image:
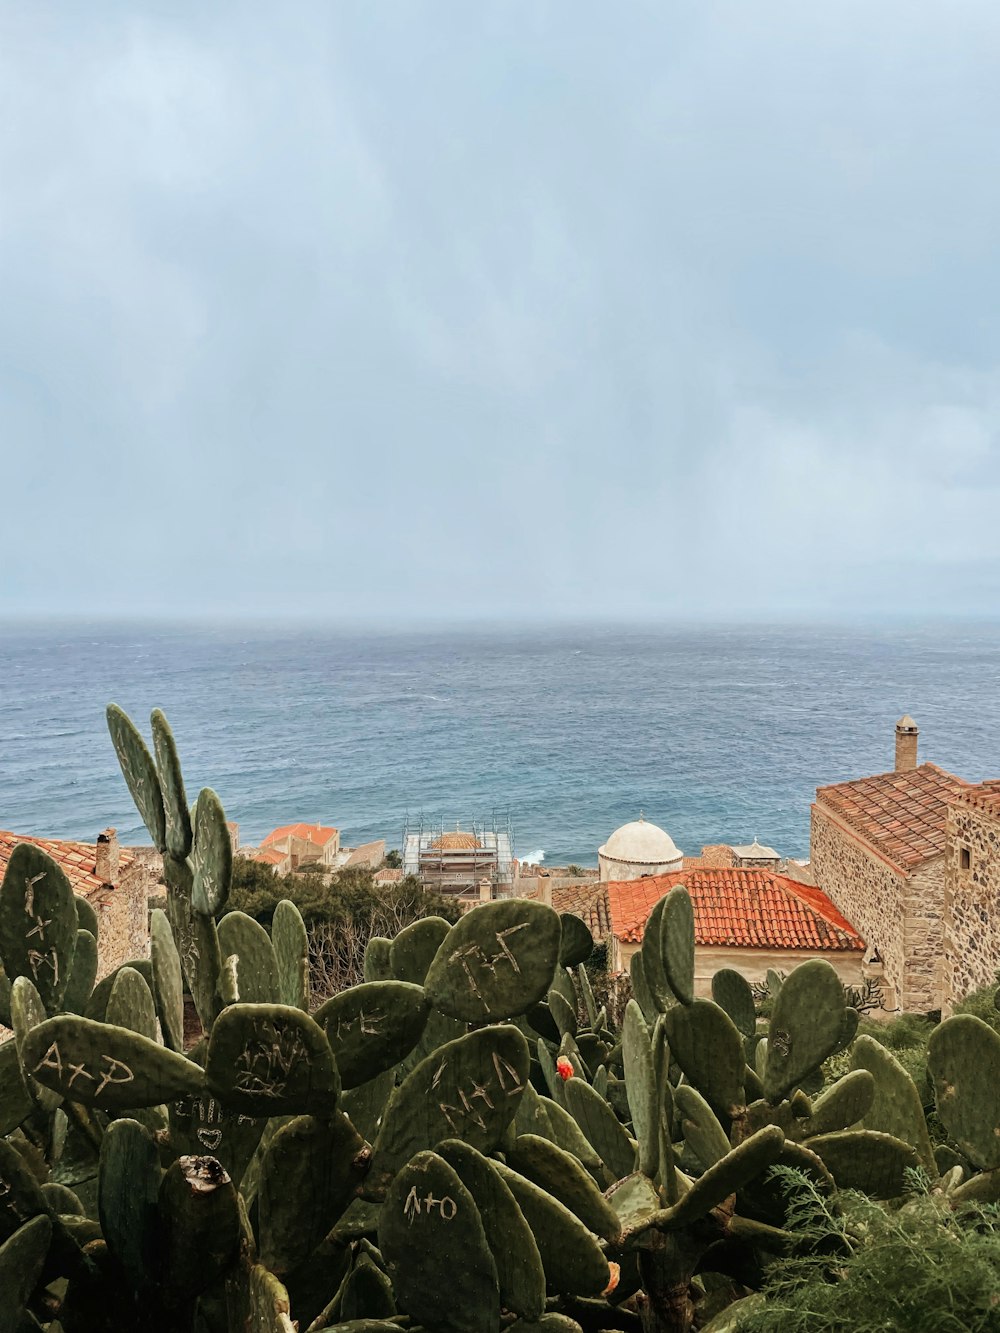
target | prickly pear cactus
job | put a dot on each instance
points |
(463, 1142)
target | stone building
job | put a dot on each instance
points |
(972, 892)
(115, 880)
(750, 920)
(303, 844)
(369, 856)
(754, 856)
(457, 862)
(912, 858)
(637, 850)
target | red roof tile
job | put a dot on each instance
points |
(269, 856)
(984, 796)
(587, 901)
(76, 859)
(388, 875)
(902, 815)
(753, 909)
(314, 833)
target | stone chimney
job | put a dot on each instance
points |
(106, 860)
(485, 891)
(544, 892)
(906, 744)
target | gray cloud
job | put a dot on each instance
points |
(521, 308)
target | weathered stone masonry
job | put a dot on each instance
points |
(972, 894)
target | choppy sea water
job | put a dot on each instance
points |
(718, 734)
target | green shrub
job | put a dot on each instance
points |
(922, 1268)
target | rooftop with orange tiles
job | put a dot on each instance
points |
(755, 909)
(314, 833)
(983, 795)
(76, 859)
(901, 814)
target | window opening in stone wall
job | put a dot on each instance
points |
(964, 858)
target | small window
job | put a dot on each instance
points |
(964, 858)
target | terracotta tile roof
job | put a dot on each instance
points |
(314, 833)
(714, 854)
(455, 842)
(269, 856)
(390, 875)
(984, 796)
(587, 901)
(902, 815)
(77, 859)
(752, 909)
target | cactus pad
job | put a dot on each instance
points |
(83, 973)
(22, 1258)
(371, 1027)
(139, 773)
(469, 1089)
(549, 1167)
(105, 1066)
(496, 962)
(895, 1107)
(677, 943)
(963, 1056)
(211, 855)
(571, 1256)
(601, 1127)
(177, 818)
(862, 1159)
(805, 1028)
(310, 1171)
(128, 1190)
(38, 923)
(520, 1275)
(731, 991)
(415, 948)
(709, 1049)
(577, 943)
(434, 1245)
(271, 1059)
(168, 983)
(257, 965)
(291, 951)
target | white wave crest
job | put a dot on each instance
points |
(533, 858)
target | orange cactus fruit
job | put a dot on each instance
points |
(616, 1273)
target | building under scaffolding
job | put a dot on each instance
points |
(461, 861)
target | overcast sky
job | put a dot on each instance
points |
(517, 309)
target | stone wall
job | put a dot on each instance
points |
(123, 915)
(866, 890)
(972, 902)
(923, 938)
(753, 963)
(900, 915)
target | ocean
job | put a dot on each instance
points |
(717, 734)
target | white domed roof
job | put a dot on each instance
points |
(641, 842)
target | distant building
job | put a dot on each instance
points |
(749, 920)
(387, 876)
(304, 844)
(457, 862)
(912, 857)
(369, 855)
(115, 881)
(279, 862)
(752, 856)
(637, 850)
